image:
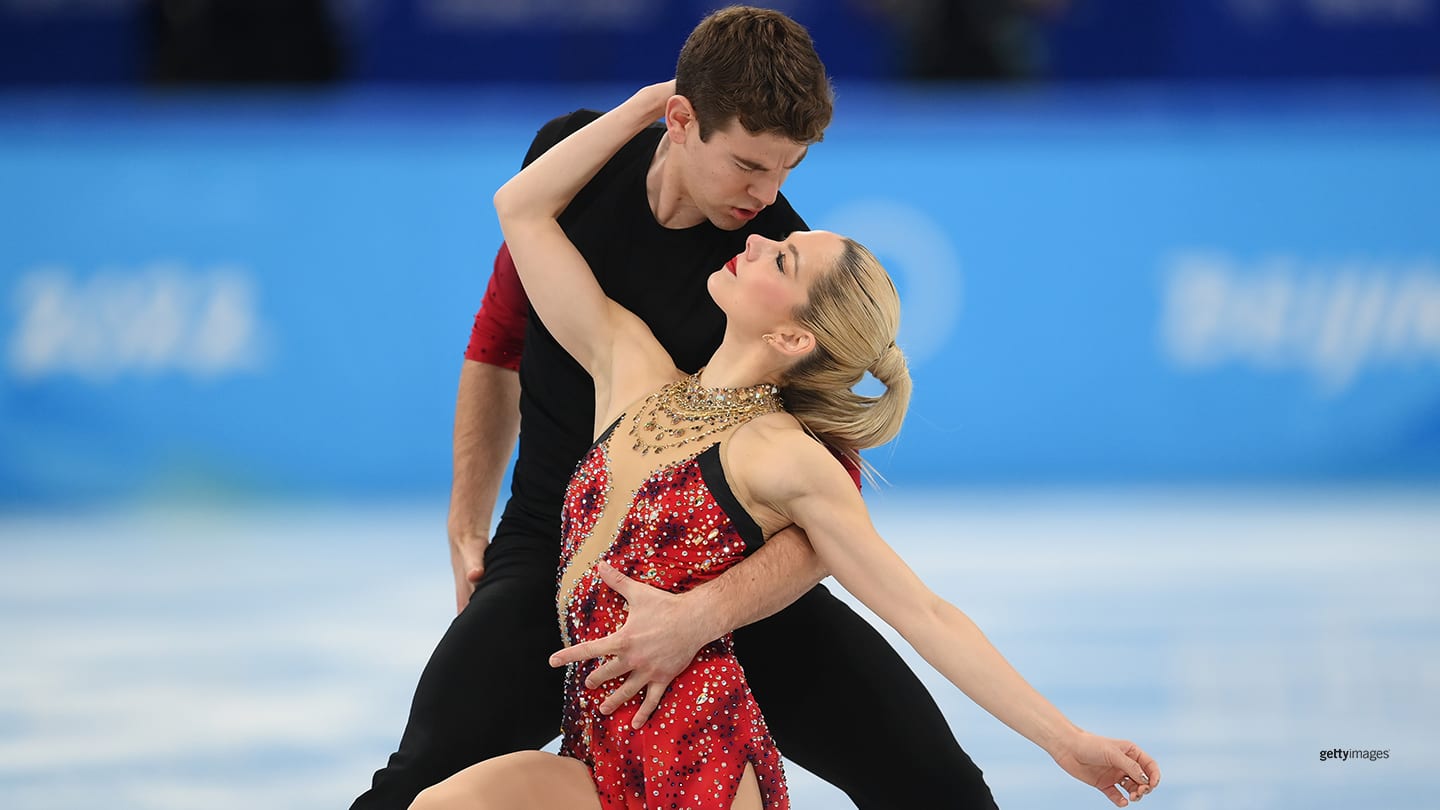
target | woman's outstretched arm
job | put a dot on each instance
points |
(557, 279)
(797, 478)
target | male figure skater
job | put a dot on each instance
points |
(672, 206)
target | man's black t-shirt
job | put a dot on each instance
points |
(656, 272)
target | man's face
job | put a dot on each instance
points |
(732, 176)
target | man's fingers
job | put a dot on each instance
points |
(611, 668)
(475, 573)
(623, 693)
(617, 581)
(653, 693)
(599, 648)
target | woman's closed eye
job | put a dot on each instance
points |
(780, 260)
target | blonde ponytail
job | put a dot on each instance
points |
(854, 313)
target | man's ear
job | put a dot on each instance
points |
(792, 341)
(680, 119)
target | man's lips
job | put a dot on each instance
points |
(745, 213)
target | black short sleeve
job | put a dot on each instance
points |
(556, 130)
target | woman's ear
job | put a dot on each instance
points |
(680, 119)
(792, 341)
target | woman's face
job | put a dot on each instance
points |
(760, 289)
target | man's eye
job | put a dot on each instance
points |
(780, 261)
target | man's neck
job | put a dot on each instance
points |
(665, 189)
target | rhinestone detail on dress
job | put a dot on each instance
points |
(693, 751)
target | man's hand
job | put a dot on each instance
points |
(659, 639)
(467, 559)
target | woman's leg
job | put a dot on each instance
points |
(748, 796)
(530, 779)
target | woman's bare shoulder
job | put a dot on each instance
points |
(775, 454)
(771, 433)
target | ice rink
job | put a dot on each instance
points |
(228, 657)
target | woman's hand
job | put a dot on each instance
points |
(1117, 768)
(558, 280)
(654, 97)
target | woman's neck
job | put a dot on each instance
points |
(740, 366)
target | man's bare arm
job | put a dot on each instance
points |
(664, 630)
(761, 585)
(487, 422)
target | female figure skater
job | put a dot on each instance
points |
(688, 472)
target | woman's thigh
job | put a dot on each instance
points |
(532, 779)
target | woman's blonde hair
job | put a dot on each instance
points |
(854, 313)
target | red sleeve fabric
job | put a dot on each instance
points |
(498, 336)
(849, 463)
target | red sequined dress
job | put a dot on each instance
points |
(684, 527)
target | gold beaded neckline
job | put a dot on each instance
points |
(686, 411)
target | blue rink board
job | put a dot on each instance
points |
(272, 294)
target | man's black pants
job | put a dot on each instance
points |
(839, 700)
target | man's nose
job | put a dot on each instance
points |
(765, 189)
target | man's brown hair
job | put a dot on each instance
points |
(759, 67)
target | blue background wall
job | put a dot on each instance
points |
(271, 294)
(542, 41)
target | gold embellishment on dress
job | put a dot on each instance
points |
(686, 411)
